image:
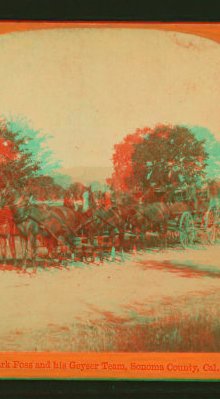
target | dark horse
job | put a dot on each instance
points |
(110, 223)
(50, 222)
(151, 218)
(161, 212)
(153, 215)
(99, 223)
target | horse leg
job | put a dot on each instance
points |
(88, 248)
(48, 243)
(11, 240)
(113, 248)
(51, 247)
(142, 237)
(33, 242)
(134, 245)
(24, 246)
(134, 241)
(12, 246)
(99, 250)
(3, 241)
(121, 243)
(113, 253)
(102, 249)
(84, 248)
(92, 249)
(72, 250)
(160, 232)
(163, 237)
(142, 241)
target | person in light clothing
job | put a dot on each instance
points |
(85, 200)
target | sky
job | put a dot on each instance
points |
(89, 88)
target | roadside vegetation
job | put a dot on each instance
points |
(177, 331)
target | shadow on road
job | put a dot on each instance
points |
(186, 269)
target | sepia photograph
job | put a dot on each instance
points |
(110, 191)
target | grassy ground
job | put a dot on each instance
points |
(176, 332)
(154, 302)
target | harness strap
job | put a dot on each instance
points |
(24, 219)
(45, 228)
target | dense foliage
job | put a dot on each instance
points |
(123, 177)
(44, 188)
(169, 155)
(161, 157)
(24, 160)
(17, 166)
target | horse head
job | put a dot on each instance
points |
(20, 205)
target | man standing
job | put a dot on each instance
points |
(85, 200)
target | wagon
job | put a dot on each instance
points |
(199, 220)
(183, 218)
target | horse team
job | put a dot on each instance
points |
(89, 226)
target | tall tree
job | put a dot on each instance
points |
(35, 142)
(123, 177)
(212, 147)
(16, 163)
(43, 188)
(170, 155)
(23, 159)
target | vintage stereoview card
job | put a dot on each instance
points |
(109, 204)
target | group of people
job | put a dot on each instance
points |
(77, 202)
(86, 199)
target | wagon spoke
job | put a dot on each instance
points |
(187, 240)
(208, 228)
(186, 229)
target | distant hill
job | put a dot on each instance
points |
(84, 174)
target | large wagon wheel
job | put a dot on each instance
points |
(217, 223)
(216, 215)
(208, 228)
(186, 229)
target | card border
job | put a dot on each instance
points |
(208, 30)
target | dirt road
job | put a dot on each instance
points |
(57, 297)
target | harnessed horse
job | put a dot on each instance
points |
(49, 222)
(8, 231)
